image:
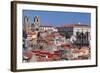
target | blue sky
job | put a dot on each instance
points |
(56, 18)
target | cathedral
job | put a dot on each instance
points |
(35, 26)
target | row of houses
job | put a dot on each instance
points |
(51, 42)
(73, 32)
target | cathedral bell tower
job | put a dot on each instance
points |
(27, 25)
(36, 23)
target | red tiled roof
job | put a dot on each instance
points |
(76, 51)
(31, 33)
(50, 43)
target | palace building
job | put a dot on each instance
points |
(74, 28)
